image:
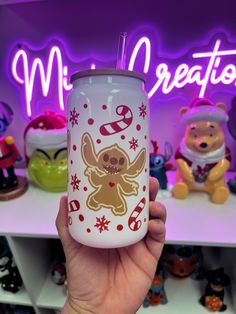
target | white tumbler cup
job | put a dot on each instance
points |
(108, 158)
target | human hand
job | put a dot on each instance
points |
(114, 281)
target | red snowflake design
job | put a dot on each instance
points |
(142, 111)
(75, 182)
(102, 224)
(133, 144)
(74, 117)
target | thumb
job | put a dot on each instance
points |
(62, 224)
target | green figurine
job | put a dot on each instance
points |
(46, 151)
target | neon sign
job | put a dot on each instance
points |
(28, 76)
(203, 68)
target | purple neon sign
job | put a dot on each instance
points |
(201, 68)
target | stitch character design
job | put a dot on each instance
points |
(110, 172)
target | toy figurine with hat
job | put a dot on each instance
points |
(232, 129)
(11, 185)
(213, 298)
(46, 151)
(159, 164)
(156, 294)
(202, 157)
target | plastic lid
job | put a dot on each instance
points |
(94, 72)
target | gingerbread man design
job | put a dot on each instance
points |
(112, 175)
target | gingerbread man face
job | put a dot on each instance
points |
(113, 161)
(110, 172)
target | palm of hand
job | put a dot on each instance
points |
(110, 280)
(114, 281)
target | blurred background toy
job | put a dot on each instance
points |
(232, 130)
(183, 261)
(202, 157)
(11, 185)
(213, 298)
(46, 151)
(159, 165)
(10, 278)
(5, 258)
(58, 273)
(12, 282)
(156, 294)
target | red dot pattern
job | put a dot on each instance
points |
(119, 227)
(90, 121)
(81, 217)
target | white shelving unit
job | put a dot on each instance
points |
(51, 297)
(21, 298)
(183, 298)
(28, 223)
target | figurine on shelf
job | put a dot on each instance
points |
(11, 186)
(12, 282)
(156, 294)
(213, 298)
(9, 275)
(232, 130)
(202, 158)
(159, 164)
(46, 151)
(58, 274)
(183, 261)
(5, 258)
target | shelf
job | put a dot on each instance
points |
(195, 220)
(198, 221)
(187, 291)
(183, 296)
(31, 215)
(21, 297)
(52, 296)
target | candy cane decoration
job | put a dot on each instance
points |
(74, 206)
(119, 125)
(133, 223)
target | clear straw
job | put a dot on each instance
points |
(121, 54)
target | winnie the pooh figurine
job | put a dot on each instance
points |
(202, 157)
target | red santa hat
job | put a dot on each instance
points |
(46, 131)
(155, 149)
(202, 109)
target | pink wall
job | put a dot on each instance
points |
(91, 28)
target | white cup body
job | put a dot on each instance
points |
(108, 159)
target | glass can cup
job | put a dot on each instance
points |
(108, 158)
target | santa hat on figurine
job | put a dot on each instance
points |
(202, 109)
(47, 131)
(155, 148)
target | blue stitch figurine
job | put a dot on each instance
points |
(156, 294)
(159, 165)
